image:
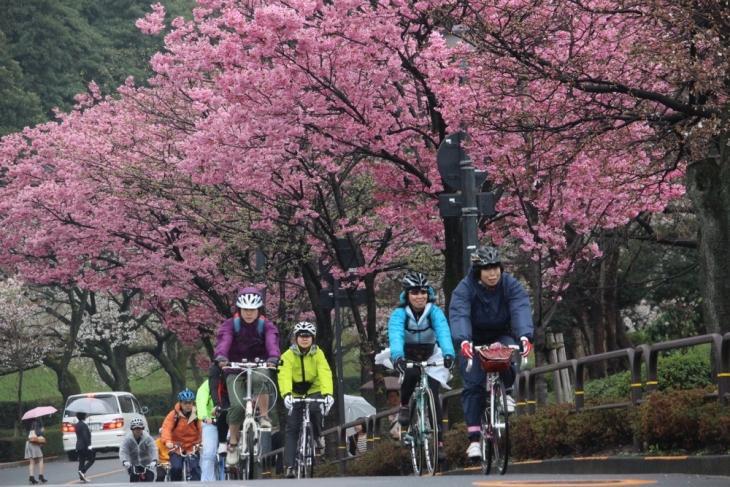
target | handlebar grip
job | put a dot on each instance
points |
(469, 364)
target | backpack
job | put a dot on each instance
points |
(237, 325)
(177, 420)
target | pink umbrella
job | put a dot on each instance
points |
(39, 411)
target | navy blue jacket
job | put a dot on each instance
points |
(479, 314)
(83, 436)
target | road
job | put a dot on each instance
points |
(107, 471)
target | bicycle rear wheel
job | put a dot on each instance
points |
(486, 442)
(415, 437)
(430, 432)
(500, 428)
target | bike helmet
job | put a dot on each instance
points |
(485, 256)
(415, 280)
(186, 395)
(136, 423)
(304, 327)
(249, 298)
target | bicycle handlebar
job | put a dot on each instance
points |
(476, 348)
(410, 364)
(309, 400)
(196, 447)
(247, 365)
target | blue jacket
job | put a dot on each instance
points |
(431, 328)
(480, 315)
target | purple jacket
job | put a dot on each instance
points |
(247, 344)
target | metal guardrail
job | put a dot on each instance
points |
(525, 388)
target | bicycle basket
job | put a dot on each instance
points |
(495, 359)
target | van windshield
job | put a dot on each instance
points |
(96, 404)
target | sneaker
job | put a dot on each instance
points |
(222, 448)
(264, 422)
(441, 454)
(82, 477)
(474, 451)
(290, 473)
(232, 457)
(404, 415)
(510, 404)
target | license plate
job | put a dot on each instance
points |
(95, 427)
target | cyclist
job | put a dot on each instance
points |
(138, 448)
(487, 306)
(415, 329)
(163, 457)
(205, 409)
(303, 371)
(246, 336)
(182, 427)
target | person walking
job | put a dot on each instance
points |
(138, 449)
(86, 454)
(418, 331)
(33, 451)
(487, 306)
(248, 336)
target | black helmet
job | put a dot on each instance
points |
(485, 256)
(415, 280)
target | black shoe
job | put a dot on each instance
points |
(441, 454)
(32, 481)
(290, 473)
(41, 479)
(404, 416)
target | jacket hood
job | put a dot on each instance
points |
(295, 349)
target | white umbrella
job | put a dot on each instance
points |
(356, 407)
(88, 405)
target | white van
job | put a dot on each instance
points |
(109, 421)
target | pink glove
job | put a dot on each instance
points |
(526, 347)
(466, 350)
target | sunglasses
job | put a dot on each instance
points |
(416, 292)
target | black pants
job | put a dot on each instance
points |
(86, 459)
(410, 380)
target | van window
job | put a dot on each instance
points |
(137, 407)
(126, 403)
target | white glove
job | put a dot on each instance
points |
(152, 465)
(329, 401)
(126, 464)
(288, 401)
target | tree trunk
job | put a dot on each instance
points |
(708, 186)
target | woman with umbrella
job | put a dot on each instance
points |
(33, 452)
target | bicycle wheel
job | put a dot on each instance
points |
(500, 428)
(415, 438)
(309, 454)
(430, 432)
(485, 442)
(248, 457)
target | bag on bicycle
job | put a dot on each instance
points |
(495, 359)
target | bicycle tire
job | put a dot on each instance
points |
(249, 457)
(309, 454)
(416, 440)
(500, 428)
(300, 459)
(430, 432)
(485, 442)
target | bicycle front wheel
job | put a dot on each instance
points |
(415, 437)
(430, 432)
(486, 442)
(500, 428)
(249, 458)
(309, 454)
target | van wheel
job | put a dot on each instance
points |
(72, 456)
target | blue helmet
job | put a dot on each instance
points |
(186, 395)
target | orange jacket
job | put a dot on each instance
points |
(187, 432)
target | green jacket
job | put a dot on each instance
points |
(203, 401)
(297, 370)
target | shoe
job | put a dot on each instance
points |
(222, 448)
(232, 457)
(474, 451)
(32, 481)
(441, 454)
(82, 477)
(42, 479)
(264, 422)
(510, 404)
(404, 416)
(290, 473)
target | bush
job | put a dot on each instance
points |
(688, 369)
(386, 459)
(12, 448)
(674, 419)
(455, 444)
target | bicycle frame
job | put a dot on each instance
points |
(422, 434)
(187, 470)
(305, 446)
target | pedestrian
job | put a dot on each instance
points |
(138, 449)
(357, 444)
(487, 306)
(418, 331)
(248, 336)
(33, 451)
(86, 454)
(206, 412)
(394, 402)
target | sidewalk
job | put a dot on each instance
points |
(715, 465)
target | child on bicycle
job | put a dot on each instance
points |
(487, 306)
(415, 328)
(163, 457)
(181, 431)
(138, 449)
(303, 371)
(247, 336)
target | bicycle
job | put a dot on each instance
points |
(306, 449)
(250, 433)
(494, 441)
(422, 433)
(187, 469)
(166, 466)
(139, 471)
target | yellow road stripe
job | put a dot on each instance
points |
(565, 483)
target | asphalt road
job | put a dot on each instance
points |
(107, 471)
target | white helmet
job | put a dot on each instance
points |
(249, 298)
(304, 327)
(136, 423)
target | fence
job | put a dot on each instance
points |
(525, 385)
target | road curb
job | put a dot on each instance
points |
(714, 465)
